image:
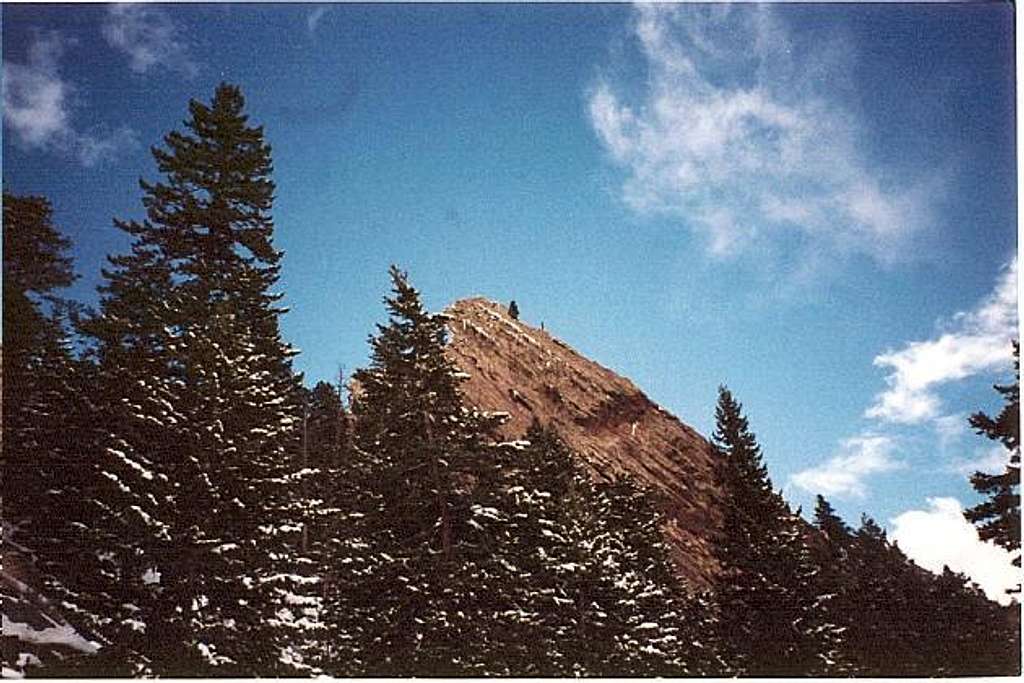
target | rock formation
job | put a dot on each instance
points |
(527, 373)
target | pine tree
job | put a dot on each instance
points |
(837, 604)
(901, 620)
(967, 634)
(421, 585)
(48, 473)
(325, 452)
(325, 489)
(835, 530)
(998, 517)
(883, 634)
(37, 365)
(202, 405)
(596, 591)
(769, 595)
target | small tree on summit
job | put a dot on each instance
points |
(998, 517)
(513, 310)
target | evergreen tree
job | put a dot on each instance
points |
(465, 556)
(325, 489)
(885, 606)
(201, 404)
(325, 452)
(998, 517)
(901, 620)
(598, 595)
(837, 603)
(37, 365)
(48, 473)
(421, 584)
(771, 621)
(831, 525)
(513, 310)
(967, 634)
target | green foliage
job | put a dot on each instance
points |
(197, 512)
(605, 599)
(998, 517)
(900, 620)
(49, 482)
(200, 406)
(769, 591)
(420, 583)
(470, 557)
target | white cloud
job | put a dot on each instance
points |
(844, 473)
(149, 37)
(35, 97)
(991, 460)
(314, 17)
(37, 108)
(973, 342)
(728, 131)
(941, 536)
(94, 149)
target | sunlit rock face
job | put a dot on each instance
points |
(528, 373)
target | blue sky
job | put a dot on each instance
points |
(814, 204)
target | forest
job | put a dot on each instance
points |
(193, 508)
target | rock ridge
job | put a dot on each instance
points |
(526, 372)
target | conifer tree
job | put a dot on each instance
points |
(422, 587)
(325, 452)
(48, 475)
(835, 530)
(469, 556)
(998, 517)
(967, 634)
(904, 621)
(771, 624)
(37, 365)
(201, 403)
(598, 593)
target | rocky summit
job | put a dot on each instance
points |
(526, 372)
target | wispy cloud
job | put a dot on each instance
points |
(149, 37)
(37, 109)
(844, 473)
(728, 134)
(991, 460)
(950, 429)
(940, 536)
(969, 343)
(314, 17)
(35, 97)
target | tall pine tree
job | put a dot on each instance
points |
(201, 404)
(769, 595)
(50, 480)
(419, 587)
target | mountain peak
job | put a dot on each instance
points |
(528, 373)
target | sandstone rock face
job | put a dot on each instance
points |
(605, 418)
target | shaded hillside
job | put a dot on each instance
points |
(35, 634)
(526, 372)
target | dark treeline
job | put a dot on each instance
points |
(196, 511)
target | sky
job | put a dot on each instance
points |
(812, 204)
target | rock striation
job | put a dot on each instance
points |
(527, 373)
